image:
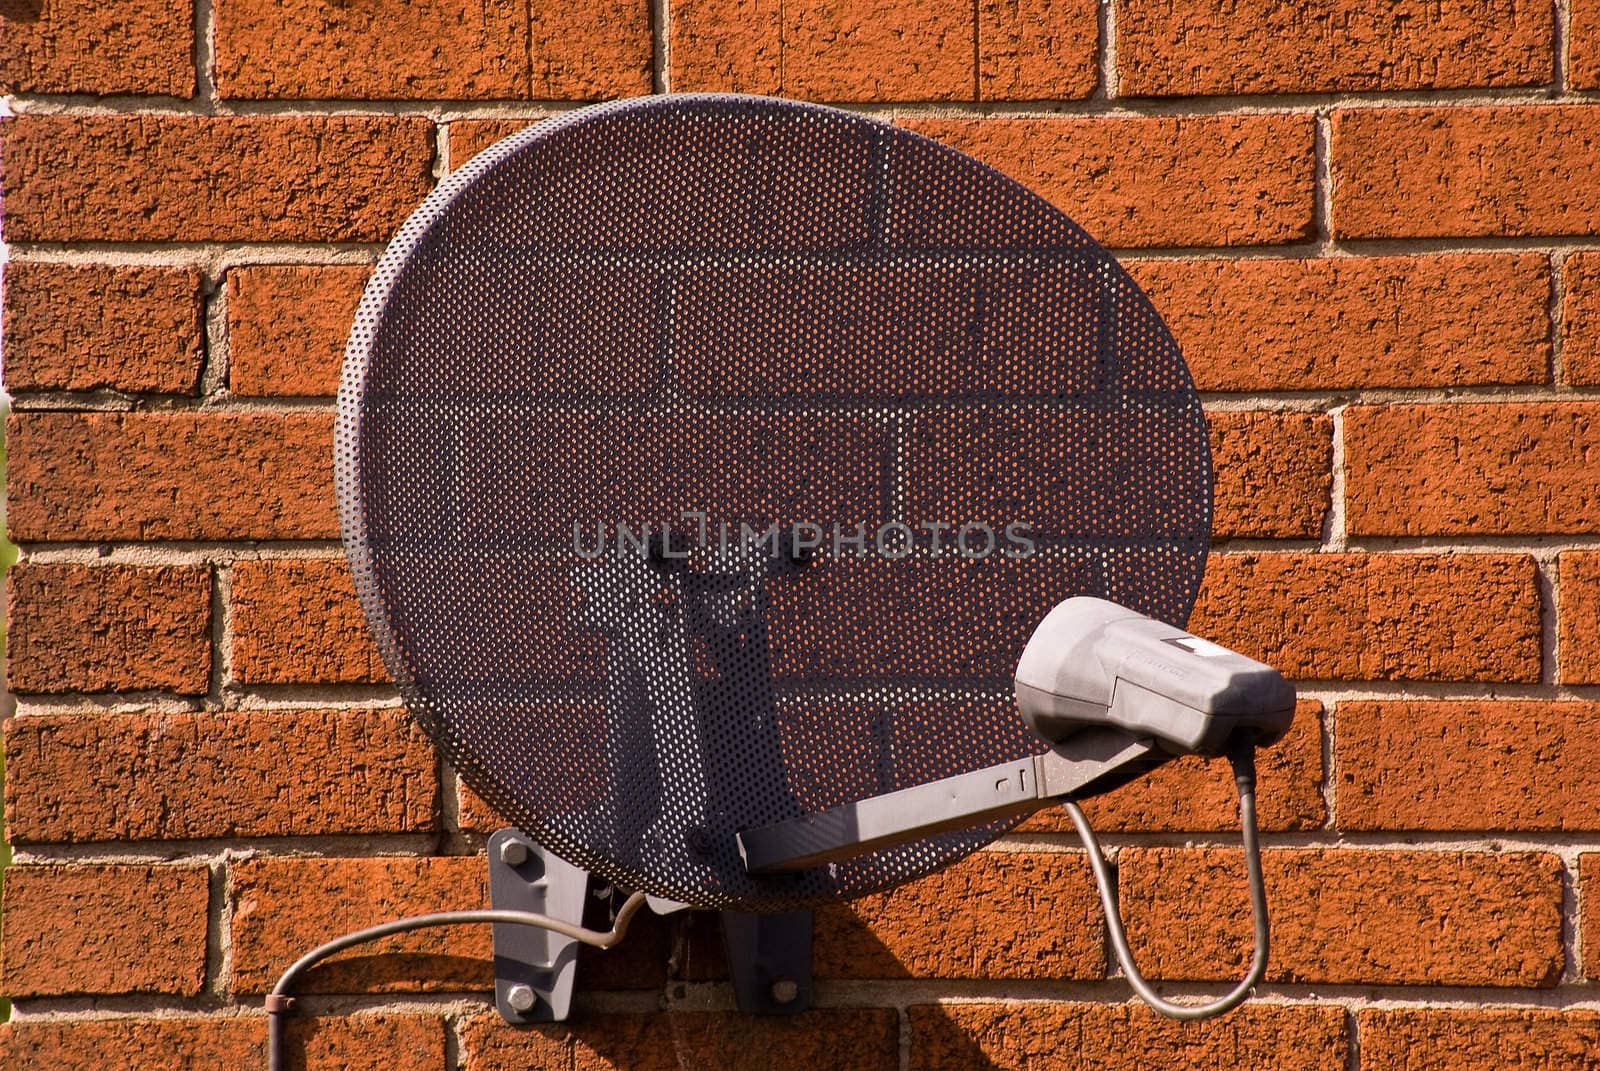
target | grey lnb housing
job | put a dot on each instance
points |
(1094, 663)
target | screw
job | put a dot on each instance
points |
(513, 853)
(521, 998)
(785, 990)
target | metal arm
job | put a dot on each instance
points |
(1090, 762)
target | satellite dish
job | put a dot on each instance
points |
(705, 465)
(707, 461)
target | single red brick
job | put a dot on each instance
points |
(282, 907)
(1467, 765)
(1273, 473)
(147, 476)
(1037, 49)
(878, 618)
(155, 178)
(1326, 616)
(79, 628)
(82, 46)
(1580, 319)
(469, 137)
(1578, 619)
(93, 328)
(1349, 916)
(1193, 47)
(1464, 171)
(287, 326)
(825, 50)
(1583, 44)
(1195, 795)
(896, 330)
(77, 778)
(841, 1039)
(297, 621)
(447, 49)
(992, 915)
(1031, 1035)
(368, 1041)
(1471, 469)
(104, 929)
(1461, 1039)
(1195, 180)
(1051, 467)
(752, 467)
(1350, 322)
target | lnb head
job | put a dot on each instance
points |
(1094, 663)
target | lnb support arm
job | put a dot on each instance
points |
(1091, 762)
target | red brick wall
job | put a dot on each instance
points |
(1374, 226)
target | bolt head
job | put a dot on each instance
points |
(521, 998)
(785, 990)
(513, 853)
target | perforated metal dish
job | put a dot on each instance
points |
(704, 461)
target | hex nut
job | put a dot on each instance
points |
(521, 998)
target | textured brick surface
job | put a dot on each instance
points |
(1195, 795)
(139, 476)
(1197, 180)
(1443, 172)
(469, 137)
(1376, 617)
(846, 1039)
(1578, 622)
(1351, 322)
(85, 46)
(1450, 335)
(831, 51)
(76, 628)
(1475, 469)
(369, 1041)
(1469, 1039)
(441, 49)
(1035, 1035)
(1580, 317)
(104, 929)
(1037, 49)
(93, 328)
(992, 915)
(298, 620)
(281, 907)
(1272, 473)
(1346, 915)
(1167, 48)
(1583, 45)
(287, 327)
(1481, 764)
(259, 773)
(137, 178)
(836, 50)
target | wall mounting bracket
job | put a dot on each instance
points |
(534, 968)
